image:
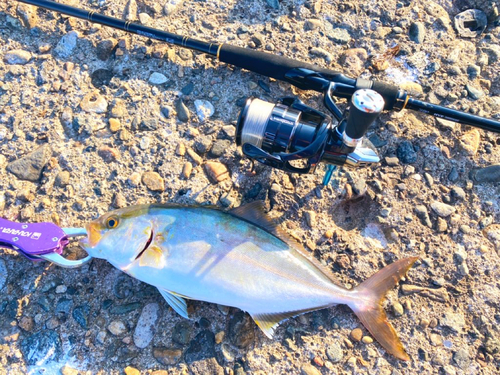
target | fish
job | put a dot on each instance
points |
(237, 258)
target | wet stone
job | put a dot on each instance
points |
(3, 273)
(406, 153)
(81, 315)
(145, 328)
(124, 309)
(202, 347)
(167, 356)
(181, 333)
(17, 57)
(241, 330)
(41, 347)
(30, 166)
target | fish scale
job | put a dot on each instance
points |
(237, 258)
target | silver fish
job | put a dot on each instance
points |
(237, 258)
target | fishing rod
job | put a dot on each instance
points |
(277, 134)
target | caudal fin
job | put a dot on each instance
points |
(368, 305)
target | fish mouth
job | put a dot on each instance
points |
(93, 236)
(148, 242)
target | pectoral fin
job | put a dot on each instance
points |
(175, 302)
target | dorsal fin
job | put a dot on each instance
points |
(254, 212)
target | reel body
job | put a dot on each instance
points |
(278, 134)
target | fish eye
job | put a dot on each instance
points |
(112, 222)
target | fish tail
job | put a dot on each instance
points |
(367, 305)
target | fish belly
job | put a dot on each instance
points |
(215, 257)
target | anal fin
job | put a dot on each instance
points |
(175, 302)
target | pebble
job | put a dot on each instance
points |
(182, 333)
(423, 215)
(114, 125)
(153, 181)
(356, 334)
(397, 309)
(181, 149)
(474, 92)
(273, 4)
(30, 166)
(131, 370)
(367, 340)
(183, 113)
(219, 147)
(67, 370)
(216, 171)
(117, 327)
(312, 24)
(167, 356)
(108, 154)
(66, 45)
(462, 358)
(488, 174)
(471, 23)
(441, 225)
(241, 330)
(130, 11)
(229, 130)
(201, 348)
(157, 79)
(442, 209)
(145, 328)
(320, 52)
(204, 109)
(187, 169)
(118, 109)
(492, 233)
(94, 103)
(335, 353)
(310, 218)
(309, 369)
(193, 155)
(171, 6)
(353, 60)
(27, 323)
(17, 57)
(338, 34)
(135, 179)
(392, 161)
(417, 32)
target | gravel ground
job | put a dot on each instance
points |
(93, 119)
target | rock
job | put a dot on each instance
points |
(397, 309)
(193, 155)
(492, 233)
(17, 57)
(30, 166)
(118, 109)
(312, 24)
(406, 153)
(114, 125)
(417, 32)
(461, 358)
(66, 45)
(27, 323)
(181, 333)
(216, 171)
(356, 334)
(204, 109)
(202, 347)
(67, 370)
(41, 348)
(108, 154)
(391, 161)
(167, 356)
(337, 34)
(413, 88)
(423, 215)
(171, 6)
(488, 174)
(145, 328)
(453, 320)
(131, 371)
(309, 369)
(153, 181)
(27, 14)
(273, 4)
(117, 328)
(101, 77)
(353, 60)
(335, 353)
(81, 314)
(474, 92)
(183, 113)
(62, 179)
(442, 209)
(157, 79)
(105, 48)
(187, 169)
(241, 330)
(310, 218)
(130, 12)
(471, 23)
(219, 147)
(3, 273)
(320, 52)
(94, 103)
